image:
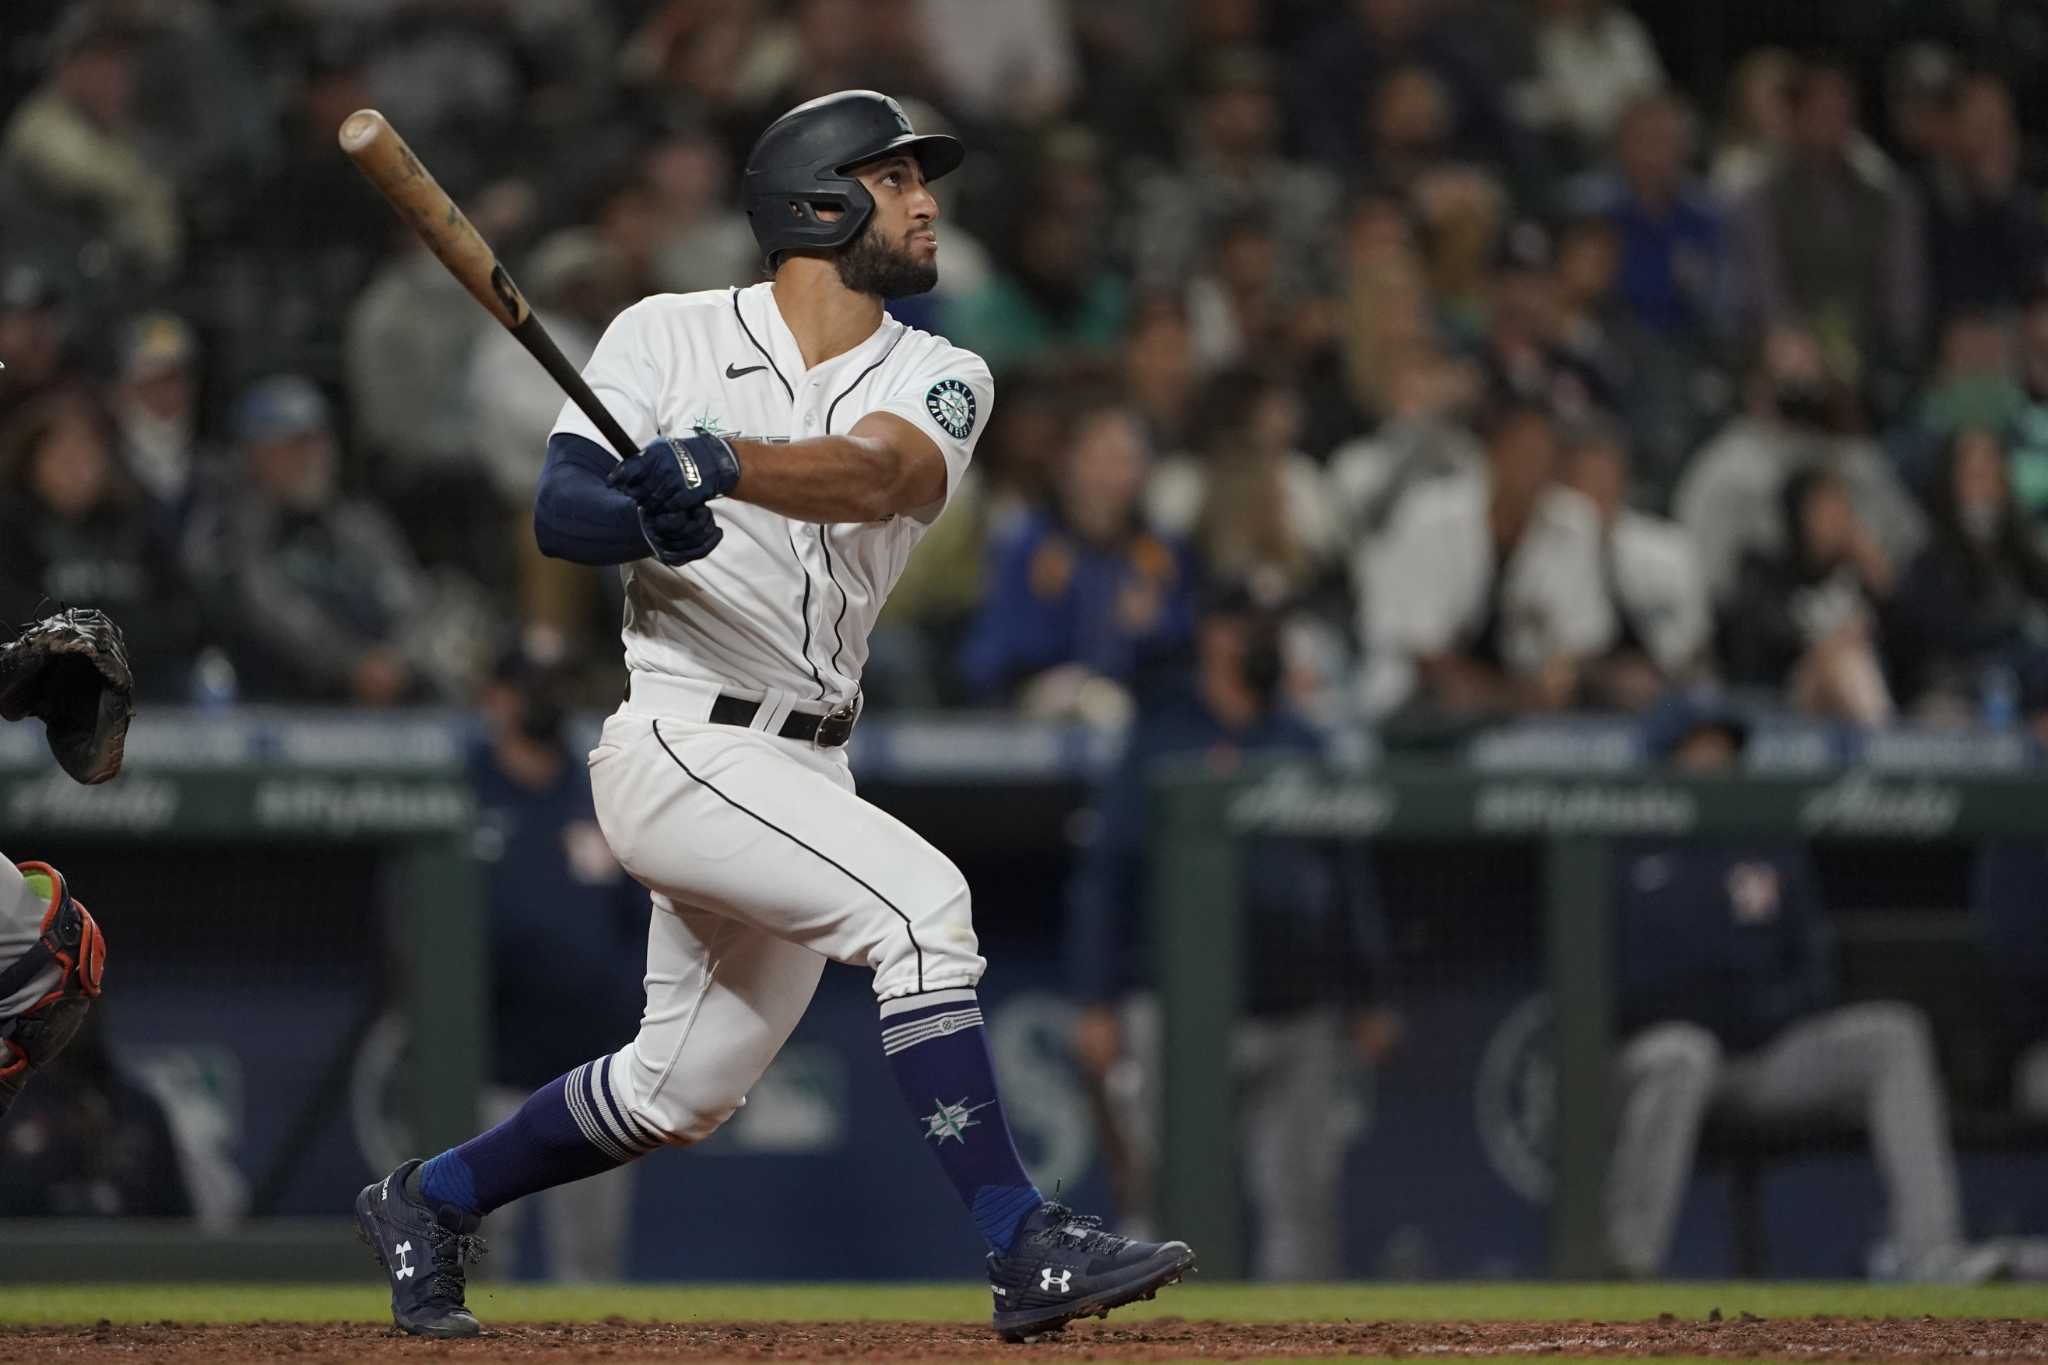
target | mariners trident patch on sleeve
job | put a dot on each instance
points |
(951, 404)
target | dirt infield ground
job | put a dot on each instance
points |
(618, 1342)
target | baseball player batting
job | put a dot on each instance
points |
(795, 443)
(71, 671)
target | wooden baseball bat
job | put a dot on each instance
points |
(385, 160)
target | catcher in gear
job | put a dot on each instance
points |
(71, 671)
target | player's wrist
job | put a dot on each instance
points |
(734, 469)
(721, 461)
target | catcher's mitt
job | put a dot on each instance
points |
(71, 669)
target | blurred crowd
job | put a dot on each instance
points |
(1520, 374)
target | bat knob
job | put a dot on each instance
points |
(360, 129)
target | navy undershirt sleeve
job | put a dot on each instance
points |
(578, 516)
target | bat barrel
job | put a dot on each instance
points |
(388, 163)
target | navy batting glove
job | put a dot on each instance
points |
(682, 536)
(674, 473)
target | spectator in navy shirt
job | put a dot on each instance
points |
(568, 932)
(1987, 239)
(1338, 67)
(1080, 595)
(1727, 1005)
(1313, 949)
(1673, 241)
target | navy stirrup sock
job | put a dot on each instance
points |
(939, 1051)
(570, 1128)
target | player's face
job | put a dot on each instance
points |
(904, 207)
(897, 253)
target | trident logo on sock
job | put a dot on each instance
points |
(404, 1271)
(953, 1120)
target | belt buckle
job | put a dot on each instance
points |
(835, 727)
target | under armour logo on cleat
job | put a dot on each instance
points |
(1046, 1279)
(404, 1271)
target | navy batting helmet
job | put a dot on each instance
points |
(800, 165)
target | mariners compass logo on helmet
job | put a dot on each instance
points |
(951, 404)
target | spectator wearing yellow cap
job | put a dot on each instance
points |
(155, 402)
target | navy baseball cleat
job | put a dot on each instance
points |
(424, 1254)
(1064, 1266)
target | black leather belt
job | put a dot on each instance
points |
(828, 731)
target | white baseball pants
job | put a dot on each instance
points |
(763, 864)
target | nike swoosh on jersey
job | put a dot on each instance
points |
(734, 372)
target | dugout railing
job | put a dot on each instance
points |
(392, 790)
(1196, 907)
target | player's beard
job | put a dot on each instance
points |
(869, 265)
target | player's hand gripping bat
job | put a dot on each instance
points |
(382, 156)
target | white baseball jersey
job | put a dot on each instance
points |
(781, 605)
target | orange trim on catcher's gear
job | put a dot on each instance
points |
(92, 956)
(84, 962)
(71, 941)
